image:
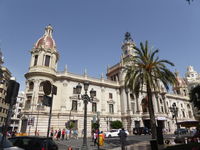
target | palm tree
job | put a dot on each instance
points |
(144, 72)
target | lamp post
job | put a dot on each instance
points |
(86, 98)
(174, 110)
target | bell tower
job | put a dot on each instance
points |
(128, 46)
(44, 55)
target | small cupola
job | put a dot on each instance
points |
(46, 41)
(128, 45)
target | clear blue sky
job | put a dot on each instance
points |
(89, 33)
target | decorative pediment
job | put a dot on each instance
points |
(111, 101)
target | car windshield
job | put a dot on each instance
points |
(6, 143)
(113, 130)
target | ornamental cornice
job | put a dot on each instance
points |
(92, 81)
(181, 97)
(45, 74)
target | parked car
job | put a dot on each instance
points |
(180, 131)
(7, 145)
(114, 133)
(33, 142)
(141, 130)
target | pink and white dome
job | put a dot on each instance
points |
(46, 41)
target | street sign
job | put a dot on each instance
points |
(47, 87)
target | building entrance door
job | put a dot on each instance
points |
(24, 125)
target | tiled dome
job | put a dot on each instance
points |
(47, 41)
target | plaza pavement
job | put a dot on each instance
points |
(133, 143)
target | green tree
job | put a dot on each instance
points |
(144, 71)
(195, 96)
(116, 124)
(95, 126)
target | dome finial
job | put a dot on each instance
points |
(48, 30)
(128, 37)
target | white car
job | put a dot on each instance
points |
(7, 145)
(114, 133)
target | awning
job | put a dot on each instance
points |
(189, 123)
(161, 118)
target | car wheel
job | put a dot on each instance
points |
(109, 136)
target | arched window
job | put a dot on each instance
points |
(47, 60)
(190, 114)
(41, 86)
(35, 60)
(144, 105)
(31, 85)
(28, 104)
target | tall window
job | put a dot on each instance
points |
(144, 105)
(74, 90)
(190, 114)
(35, 60)
(47, 60)
(94, 107)
(41, 86)
(111, 108)
(183, 114)
(31, 85)
(133, 107)
(39, 104)
(74, 105)
(28, 103)
(110, 95)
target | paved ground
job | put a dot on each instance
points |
(134, 142)
(110, 143)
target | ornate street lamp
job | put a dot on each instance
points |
(174, 111)
(86, 98)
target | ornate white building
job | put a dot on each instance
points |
(111, 100)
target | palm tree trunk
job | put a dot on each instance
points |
(151, 112)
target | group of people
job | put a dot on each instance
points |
(64, 134)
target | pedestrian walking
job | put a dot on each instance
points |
(122, 135)
(55, 134)
(63, 134)
(67, 132)
(75, 133)
(58, 135)
(95, 138)
(51, 133)
(101, 138)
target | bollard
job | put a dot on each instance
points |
(154, 144)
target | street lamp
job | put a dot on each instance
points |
(174, 110)
(85, 99)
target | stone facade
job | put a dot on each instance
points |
(5, 77)
(111, 100)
